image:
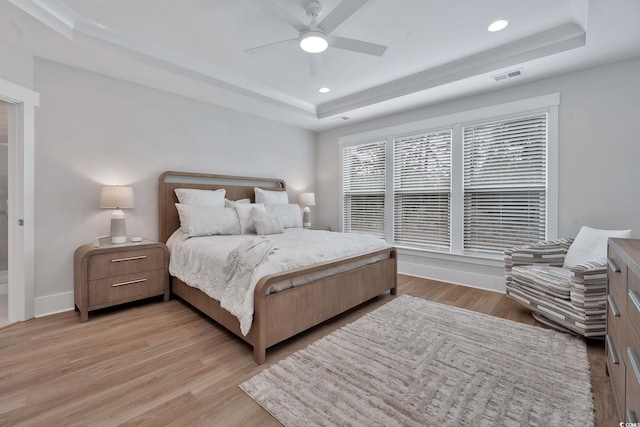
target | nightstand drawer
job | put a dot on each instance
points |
(126, 287)
(124, 262)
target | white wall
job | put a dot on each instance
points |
(93, 130)
(599, 159)
(16, 67)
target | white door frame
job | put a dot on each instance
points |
(21, 209)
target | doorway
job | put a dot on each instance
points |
(20, 104)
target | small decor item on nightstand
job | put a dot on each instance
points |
(306, 200)
(116, 197)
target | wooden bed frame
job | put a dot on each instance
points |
(280, 315)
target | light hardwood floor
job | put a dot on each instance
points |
(164, 364)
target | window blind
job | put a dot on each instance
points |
(422, 190)
(505, 184)
(363, 188)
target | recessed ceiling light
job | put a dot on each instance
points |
(498, 25)
(324, 90)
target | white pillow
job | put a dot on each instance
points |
(289, 215)
(244, 211)
(264, 223)
(192, 196)
(198, 220)
(232, 203)
(591, 245)
(271, 197)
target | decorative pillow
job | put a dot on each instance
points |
(289, 215)
(192, 196)
(232, 203)
(264, 223)
(198, 220)
(265, 226)
(244, 211)
(591, 245)
(271, 197)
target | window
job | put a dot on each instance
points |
(471, 183)
(504, 183)
(422, 190)
(363, 188)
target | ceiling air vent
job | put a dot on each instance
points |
(508, 75)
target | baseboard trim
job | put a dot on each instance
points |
(57, 303)
(470, 279)
(52, 304)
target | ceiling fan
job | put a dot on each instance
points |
(316, 37)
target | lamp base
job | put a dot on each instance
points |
(306, 217)
(118, 228)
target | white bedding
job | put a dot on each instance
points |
(200, 262)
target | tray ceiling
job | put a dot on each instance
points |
(436, 50)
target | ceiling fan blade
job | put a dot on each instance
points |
(277, 11)
(357, 45)
(269, 47)
(315, 64)
(340, 13)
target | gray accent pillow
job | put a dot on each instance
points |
(265, 226)
(264, 223)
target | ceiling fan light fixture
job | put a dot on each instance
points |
(313, 41)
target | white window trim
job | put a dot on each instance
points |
(548, 103)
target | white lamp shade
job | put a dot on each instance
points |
(116, 197)
(307, 199)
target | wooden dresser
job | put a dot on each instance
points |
(116, 274)
(623, 326)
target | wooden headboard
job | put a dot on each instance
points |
(238, 187)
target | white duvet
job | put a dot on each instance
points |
(200, 262)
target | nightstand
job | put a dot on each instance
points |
(115, 274)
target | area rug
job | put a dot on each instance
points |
(414, 362)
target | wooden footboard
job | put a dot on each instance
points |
(281, 315)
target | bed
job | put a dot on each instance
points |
(279, 315)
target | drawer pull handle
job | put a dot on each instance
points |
(613, 266)
(631, 417)
(131, 258)
(613, 307)
(635, 298)
(612, 351)
(635, 362)
(130, 282)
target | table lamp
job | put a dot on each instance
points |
(306, 200)
(116, 197)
